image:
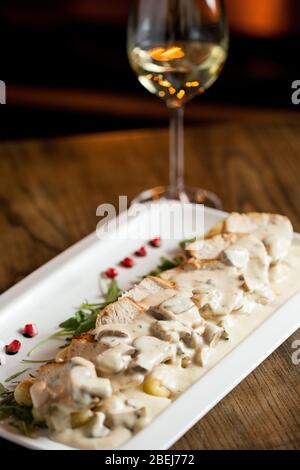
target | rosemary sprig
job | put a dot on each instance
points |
(36, 361)
(17, 374)
(58, 334)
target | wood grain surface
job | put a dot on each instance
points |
(49, 191)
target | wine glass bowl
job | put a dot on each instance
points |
(177, 49)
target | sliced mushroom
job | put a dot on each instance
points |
(95, 427)
(126, 380)
(195, 339)
(122, 412)
(112, 337)
(85, 383)
(215, 287)
(278, 272)
(151, 351)
(178, 307)
(226, 323)
(212, 334)
(171, 331)
(201, 356)
(252, 299)
(183, 350)
(115, 359)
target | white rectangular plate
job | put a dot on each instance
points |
(50, 294)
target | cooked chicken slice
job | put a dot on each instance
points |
(172, 331)
(148, 286)
(249, 255)
(83, 346)
(124, 310)
(275, 231)
(215, 230)
(211, 248)
(212, 334)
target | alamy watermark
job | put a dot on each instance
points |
(169, 220)
(296, 354)
(2, 92)
(296, 93)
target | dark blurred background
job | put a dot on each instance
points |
(65, 66)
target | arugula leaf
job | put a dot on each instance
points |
(88, 324)
(72, 323)
(84, 318)
(166, 264)
(69, 324)
(183, 243)
(14, 376)
(113, 292)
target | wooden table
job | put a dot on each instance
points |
(49, 191)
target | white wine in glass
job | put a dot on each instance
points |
(177, 48)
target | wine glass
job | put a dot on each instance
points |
(177, 48)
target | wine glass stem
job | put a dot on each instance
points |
(176, 183)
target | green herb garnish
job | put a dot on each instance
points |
(83, 320)
(166, 264)
(21, 416)
(183, 243)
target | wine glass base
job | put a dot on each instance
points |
(187, 195)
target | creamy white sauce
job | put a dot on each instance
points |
(285, 282)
